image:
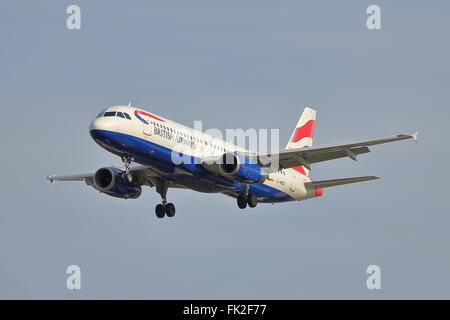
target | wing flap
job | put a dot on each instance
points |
(289, 162)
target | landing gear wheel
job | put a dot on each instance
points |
(160, 211)
(242, 202)
(251, 200)
(170, 209)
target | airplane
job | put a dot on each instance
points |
(147, 143)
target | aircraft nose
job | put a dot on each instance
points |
(102, 129)
(96, 128)
(104, 123)
(94, 125)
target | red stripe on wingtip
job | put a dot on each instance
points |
(319, 191)
(148, 115)
(307, 130)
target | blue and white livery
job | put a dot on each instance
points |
(160, 153)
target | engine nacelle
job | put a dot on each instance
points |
(235, 167)
(108, 180)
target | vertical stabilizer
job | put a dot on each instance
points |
(303, 134)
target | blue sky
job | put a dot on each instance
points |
(232, 64)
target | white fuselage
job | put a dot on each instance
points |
(174, 136)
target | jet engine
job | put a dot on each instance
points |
(109, 180)
(236, 167)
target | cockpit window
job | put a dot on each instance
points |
(119, 114)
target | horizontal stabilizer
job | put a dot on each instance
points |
(337, 182)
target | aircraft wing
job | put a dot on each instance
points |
(88, 178)
(141, 174)
(308, 155)
(337, 182)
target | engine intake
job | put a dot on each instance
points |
(230, 163)
(108, 180)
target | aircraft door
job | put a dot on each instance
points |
(293, 183)
(147, 129)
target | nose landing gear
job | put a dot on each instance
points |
(127, 176)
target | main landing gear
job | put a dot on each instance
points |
(127, 176)
(246, 198)
(164, 209)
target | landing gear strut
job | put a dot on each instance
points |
(126, 176)
(164, 208)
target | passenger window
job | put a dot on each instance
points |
(127, 116)
(109, 114)
(120, 114)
